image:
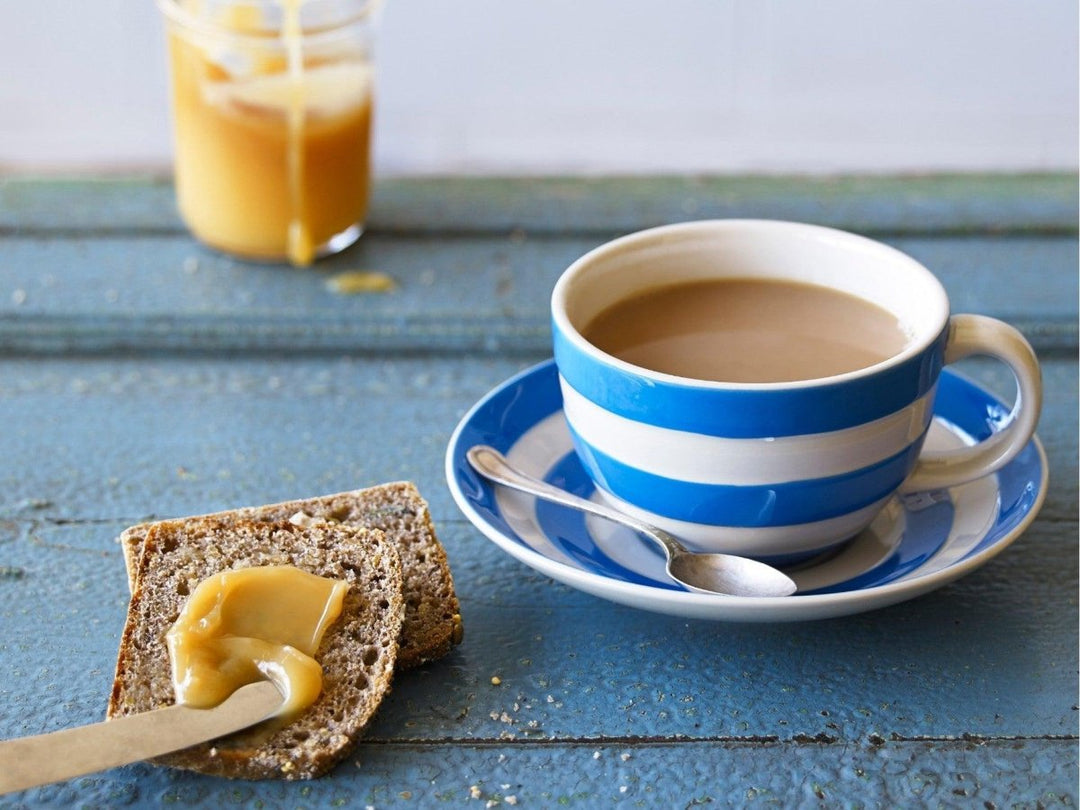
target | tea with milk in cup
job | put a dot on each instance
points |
(747, 330)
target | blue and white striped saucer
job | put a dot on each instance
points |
(918, 543)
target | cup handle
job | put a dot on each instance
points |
(978, 334)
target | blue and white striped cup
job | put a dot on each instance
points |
(781, 469)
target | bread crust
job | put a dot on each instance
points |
(358, 652)
(432, 612)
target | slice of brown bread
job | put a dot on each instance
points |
(432, 613)
(357, 653)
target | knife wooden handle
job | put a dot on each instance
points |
(31, 761)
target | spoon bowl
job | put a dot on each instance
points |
(712, 573)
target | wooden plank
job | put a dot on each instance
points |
(1040, 203)
(141, 376)
(993, 656)
(601, 773)
(93, 445)
(171, 436)
(910, 204)
(462, 294)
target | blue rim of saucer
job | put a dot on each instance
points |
(510, 410)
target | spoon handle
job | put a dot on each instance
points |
(491, 464)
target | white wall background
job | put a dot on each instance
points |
(590, 86)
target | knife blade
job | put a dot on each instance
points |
(31, 761)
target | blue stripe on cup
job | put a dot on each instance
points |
(748, 411)
(748, 506)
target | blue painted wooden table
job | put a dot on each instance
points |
(142, 376)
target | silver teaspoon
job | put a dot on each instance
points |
(725, 574)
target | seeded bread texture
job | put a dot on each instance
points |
(432, 613)
(357, 653)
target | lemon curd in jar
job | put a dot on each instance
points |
(272, 137)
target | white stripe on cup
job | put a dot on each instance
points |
(753, 462)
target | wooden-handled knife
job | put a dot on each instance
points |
(31, 761)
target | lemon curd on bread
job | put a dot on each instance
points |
(432, 624)
(356, 653)
(249, 624)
